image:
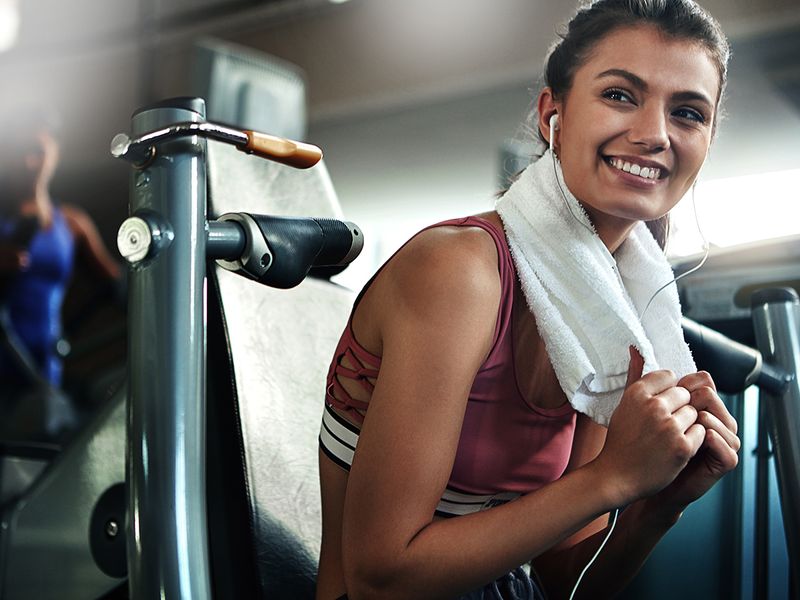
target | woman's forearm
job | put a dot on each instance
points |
(639, 528)
(454, 556)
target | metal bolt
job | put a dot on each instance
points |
(134, 239)
(112, 528)
(120, 145)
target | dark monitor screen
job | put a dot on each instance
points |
(250, 89)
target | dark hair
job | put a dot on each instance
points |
(681, 19)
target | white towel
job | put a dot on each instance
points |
(587, 305)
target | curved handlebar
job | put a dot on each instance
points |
(288, 152)
(295, 154)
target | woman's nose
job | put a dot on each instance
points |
(649, 128)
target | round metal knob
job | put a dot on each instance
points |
(134, 239)
(119, 145)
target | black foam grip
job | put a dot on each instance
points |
(732, 365)
(298, 244)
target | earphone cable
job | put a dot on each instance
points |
(614, 516)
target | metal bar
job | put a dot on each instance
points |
(763, 455)
(139, 148)
(225, 240)
(776, 318)
(167, 540)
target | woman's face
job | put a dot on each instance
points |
(636, 125)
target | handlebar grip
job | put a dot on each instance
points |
(288, 152)
(298, 244)
(733, 366)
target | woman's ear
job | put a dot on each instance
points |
(548, 108)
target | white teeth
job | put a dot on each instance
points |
(634, 169)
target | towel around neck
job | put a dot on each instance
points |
(587, 303)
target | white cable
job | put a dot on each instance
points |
(706, 250)
(596, 554)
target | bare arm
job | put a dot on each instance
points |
(442, 298)
(90, 243)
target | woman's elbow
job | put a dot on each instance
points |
(371, 575)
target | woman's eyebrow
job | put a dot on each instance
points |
(641, 84)
(689, 96)
(635, 80)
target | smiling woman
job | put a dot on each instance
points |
(498, 390)
(627, 118)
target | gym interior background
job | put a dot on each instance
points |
(414, 103)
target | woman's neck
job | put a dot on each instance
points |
(611, 230)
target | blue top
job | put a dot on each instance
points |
(34, 296)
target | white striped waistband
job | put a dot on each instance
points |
(338, 439)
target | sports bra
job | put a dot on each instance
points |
(34, 296)
(507, 447)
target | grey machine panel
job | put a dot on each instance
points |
(281, 342)
(45, 535)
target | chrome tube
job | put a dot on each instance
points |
(776, 318)
(166, 242)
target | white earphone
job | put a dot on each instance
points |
(553, 127)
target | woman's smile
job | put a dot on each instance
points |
(640, 168)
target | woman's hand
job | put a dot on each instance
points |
(13, 258)
(718, 453)
(653, 434)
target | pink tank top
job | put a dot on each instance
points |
(506, 443)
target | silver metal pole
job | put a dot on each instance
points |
(165, 241)
(776, 318)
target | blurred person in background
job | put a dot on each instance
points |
(40, 240)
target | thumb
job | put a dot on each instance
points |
(635, 367)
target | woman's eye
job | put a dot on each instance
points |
(689, 114)
(617, 95)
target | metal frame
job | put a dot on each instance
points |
(165, 472)
(776, 319)
(168, 240)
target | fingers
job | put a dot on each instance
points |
(692, 381)
(695, 435)
(685, 417)
(721, 451)
(635, 367)
(705, 398)
(711, 423)
(673, 398)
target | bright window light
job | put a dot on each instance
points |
(9, 24)
(737, 210)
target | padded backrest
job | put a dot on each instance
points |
(278, 346)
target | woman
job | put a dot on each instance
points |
(470, 459)
(39, 240)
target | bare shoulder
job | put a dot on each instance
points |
(77, 219)
(458, 263)
(443, 283)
